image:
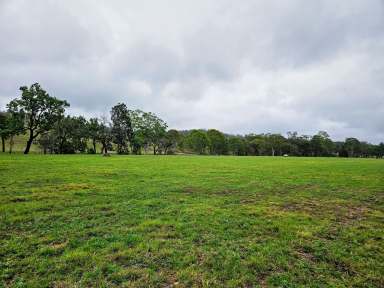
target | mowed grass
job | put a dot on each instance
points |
(190, 221)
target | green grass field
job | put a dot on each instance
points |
(190, 221)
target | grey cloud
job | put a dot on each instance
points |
(252, 66)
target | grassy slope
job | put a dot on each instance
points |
(190, 221)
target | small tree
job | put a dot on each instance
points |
(41, 111)
(121, 127)
(15, 127)
(154, 130)
(93, 128)
(148, 130)
(105, 136)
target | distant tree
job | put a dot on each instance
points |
(155, 130)
(237, 145)
(292, 144)
(198, 141)
(15, 126)
(69, 135)
(93, 128)
(217, 142)
(170, 140)
(352, 146)
(253, 147)
(182, 140)
(139, 140)
(138, 143)
(380, 150)
(105, 136)
(72, 134)
(321, 144)
(4, 133)
(121, 127)
(48, 142)
(366, 149)
(252, 144)
(41, 111)
(303, 143)
(275, 143)
(149, 130)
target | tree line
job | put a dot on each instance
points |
(42, 118)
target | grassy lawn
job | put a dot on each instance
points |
(190, 221)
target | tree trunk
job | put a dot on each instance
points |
(154, 150)
(29, 143)
(3, 143)
(10, 144)
(273, 152)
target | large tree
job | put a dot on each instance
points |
(40, 109)
(121, 127)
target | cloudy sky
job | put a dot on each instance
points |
(239, 66)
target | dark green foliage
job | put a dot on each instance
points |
(218, 144)
(379, 150)
(321, 144)
(69, 135)
(105, 136)
(352, 146)
(40, 109)
(121, 128)
(148, 130)
(170, 141)
(300, 145)
(237, 146)
(11, 125)
(197, 141)
(93, 128)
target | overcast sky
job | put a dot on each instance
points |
(238, 66)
